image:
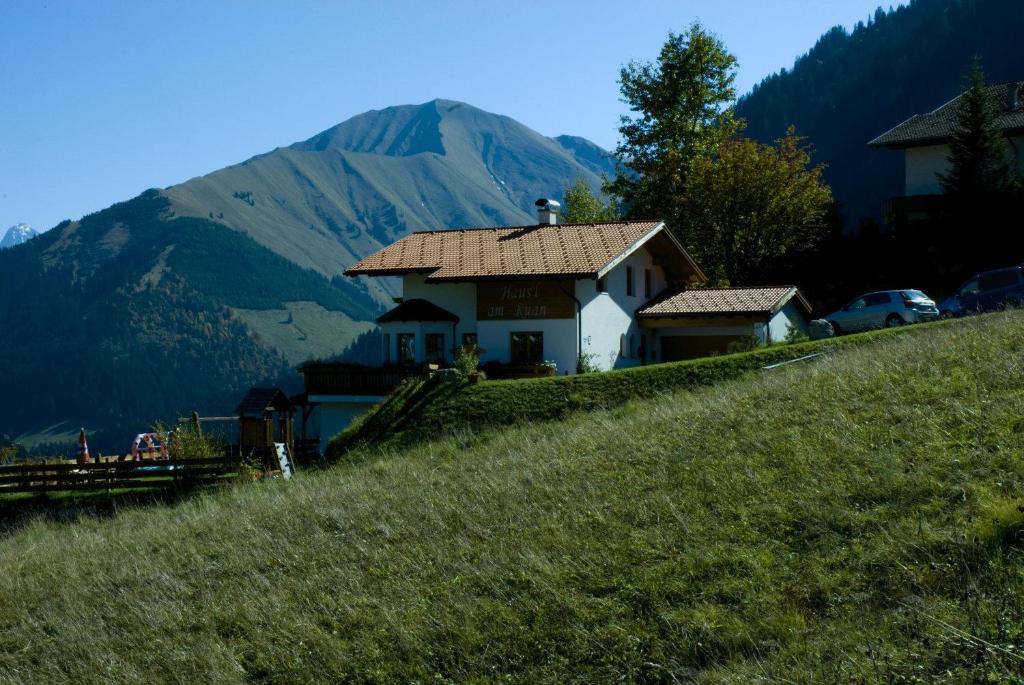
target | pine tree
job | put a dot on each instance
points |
(979, 159)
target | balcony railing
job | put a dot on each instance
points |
(351, 379)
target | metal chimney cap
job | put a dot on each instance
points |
(545, 203)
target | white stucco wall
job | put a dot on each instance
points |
(779, 324)
(560, 336)
(458, 298)
(337, 413)
(608, 315)
(923, 164)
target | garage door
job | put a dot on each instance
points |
(676, 347)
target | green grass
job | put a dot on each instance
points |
(853, 520)
(421, 410)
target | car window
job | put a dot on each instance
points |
(876, 298)
(856, 304)
(969, 288)
(997, 279)
(915, 295)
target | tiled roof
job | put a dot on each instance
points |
(940, 124)
(417, 309)
(259, 400)
(523, 251)
(707, 301)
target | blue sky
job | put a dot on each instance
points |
(101, 100)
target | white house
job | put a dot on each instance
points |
(925, 138)
(551, 292)
(624, 293)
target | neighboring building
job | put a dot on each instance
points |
(925, 140)
(546, 293)
(697, 323)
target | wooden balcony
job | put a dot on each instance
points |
(354, 379)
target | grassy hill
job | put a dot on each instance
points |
(182, 298)
(853, 519)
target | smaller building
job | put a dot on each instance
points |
(925, 142)
(706, 321)
(266, 416)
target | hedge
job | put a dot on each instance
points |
(421, 410)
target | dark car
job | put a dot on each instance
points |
(988, 291)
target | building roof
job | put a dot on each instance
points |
(518, 252)
(939, 125)
(765, 300)
(260, 400)
(417, 310)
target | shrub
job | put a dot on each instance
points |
(744, 344)
(794, 334)
(587, 363)
(467, 361)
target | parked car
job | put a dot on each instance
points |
(987, 291)
(886, 308)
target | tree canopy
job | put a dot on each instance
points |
(684, 111)
(583, 206)
(751, 204)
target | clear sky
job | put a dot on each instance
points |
(100, 100)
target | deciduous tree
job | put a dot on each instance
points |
(751, 204)
(583, 206)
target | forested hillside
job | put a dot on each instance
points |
(853, 86)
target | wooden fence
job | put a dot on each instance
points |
(120, 475)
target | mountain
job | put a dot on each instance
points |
(181, 298)
(17, 234)
(853, 86)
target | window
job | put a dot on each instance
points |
(997, 280)
(406, 348)
(387, 348)
(630, 289)
(527, 348)
(970, 288)
(647, 282)
(434, 344)
(876, 299)
(469, 339)
(856, 304)
(622, 345)
(602, 284)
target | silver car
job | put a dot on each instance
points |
(886, 308)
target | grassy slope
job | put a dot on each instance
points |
(419, 410)
(848, 520)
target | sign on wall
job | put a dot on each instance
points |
(525, 300)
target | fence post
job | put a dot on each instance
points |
(196, 425)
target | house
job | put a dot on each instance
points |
(623, 293)
(925, 139)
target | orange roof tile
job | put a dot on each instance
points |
(706, 301)
(520, 251)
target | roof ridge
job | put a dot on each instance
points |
(623, 222)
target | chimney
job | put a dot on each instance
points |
(1012, 97)
(547, 211)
